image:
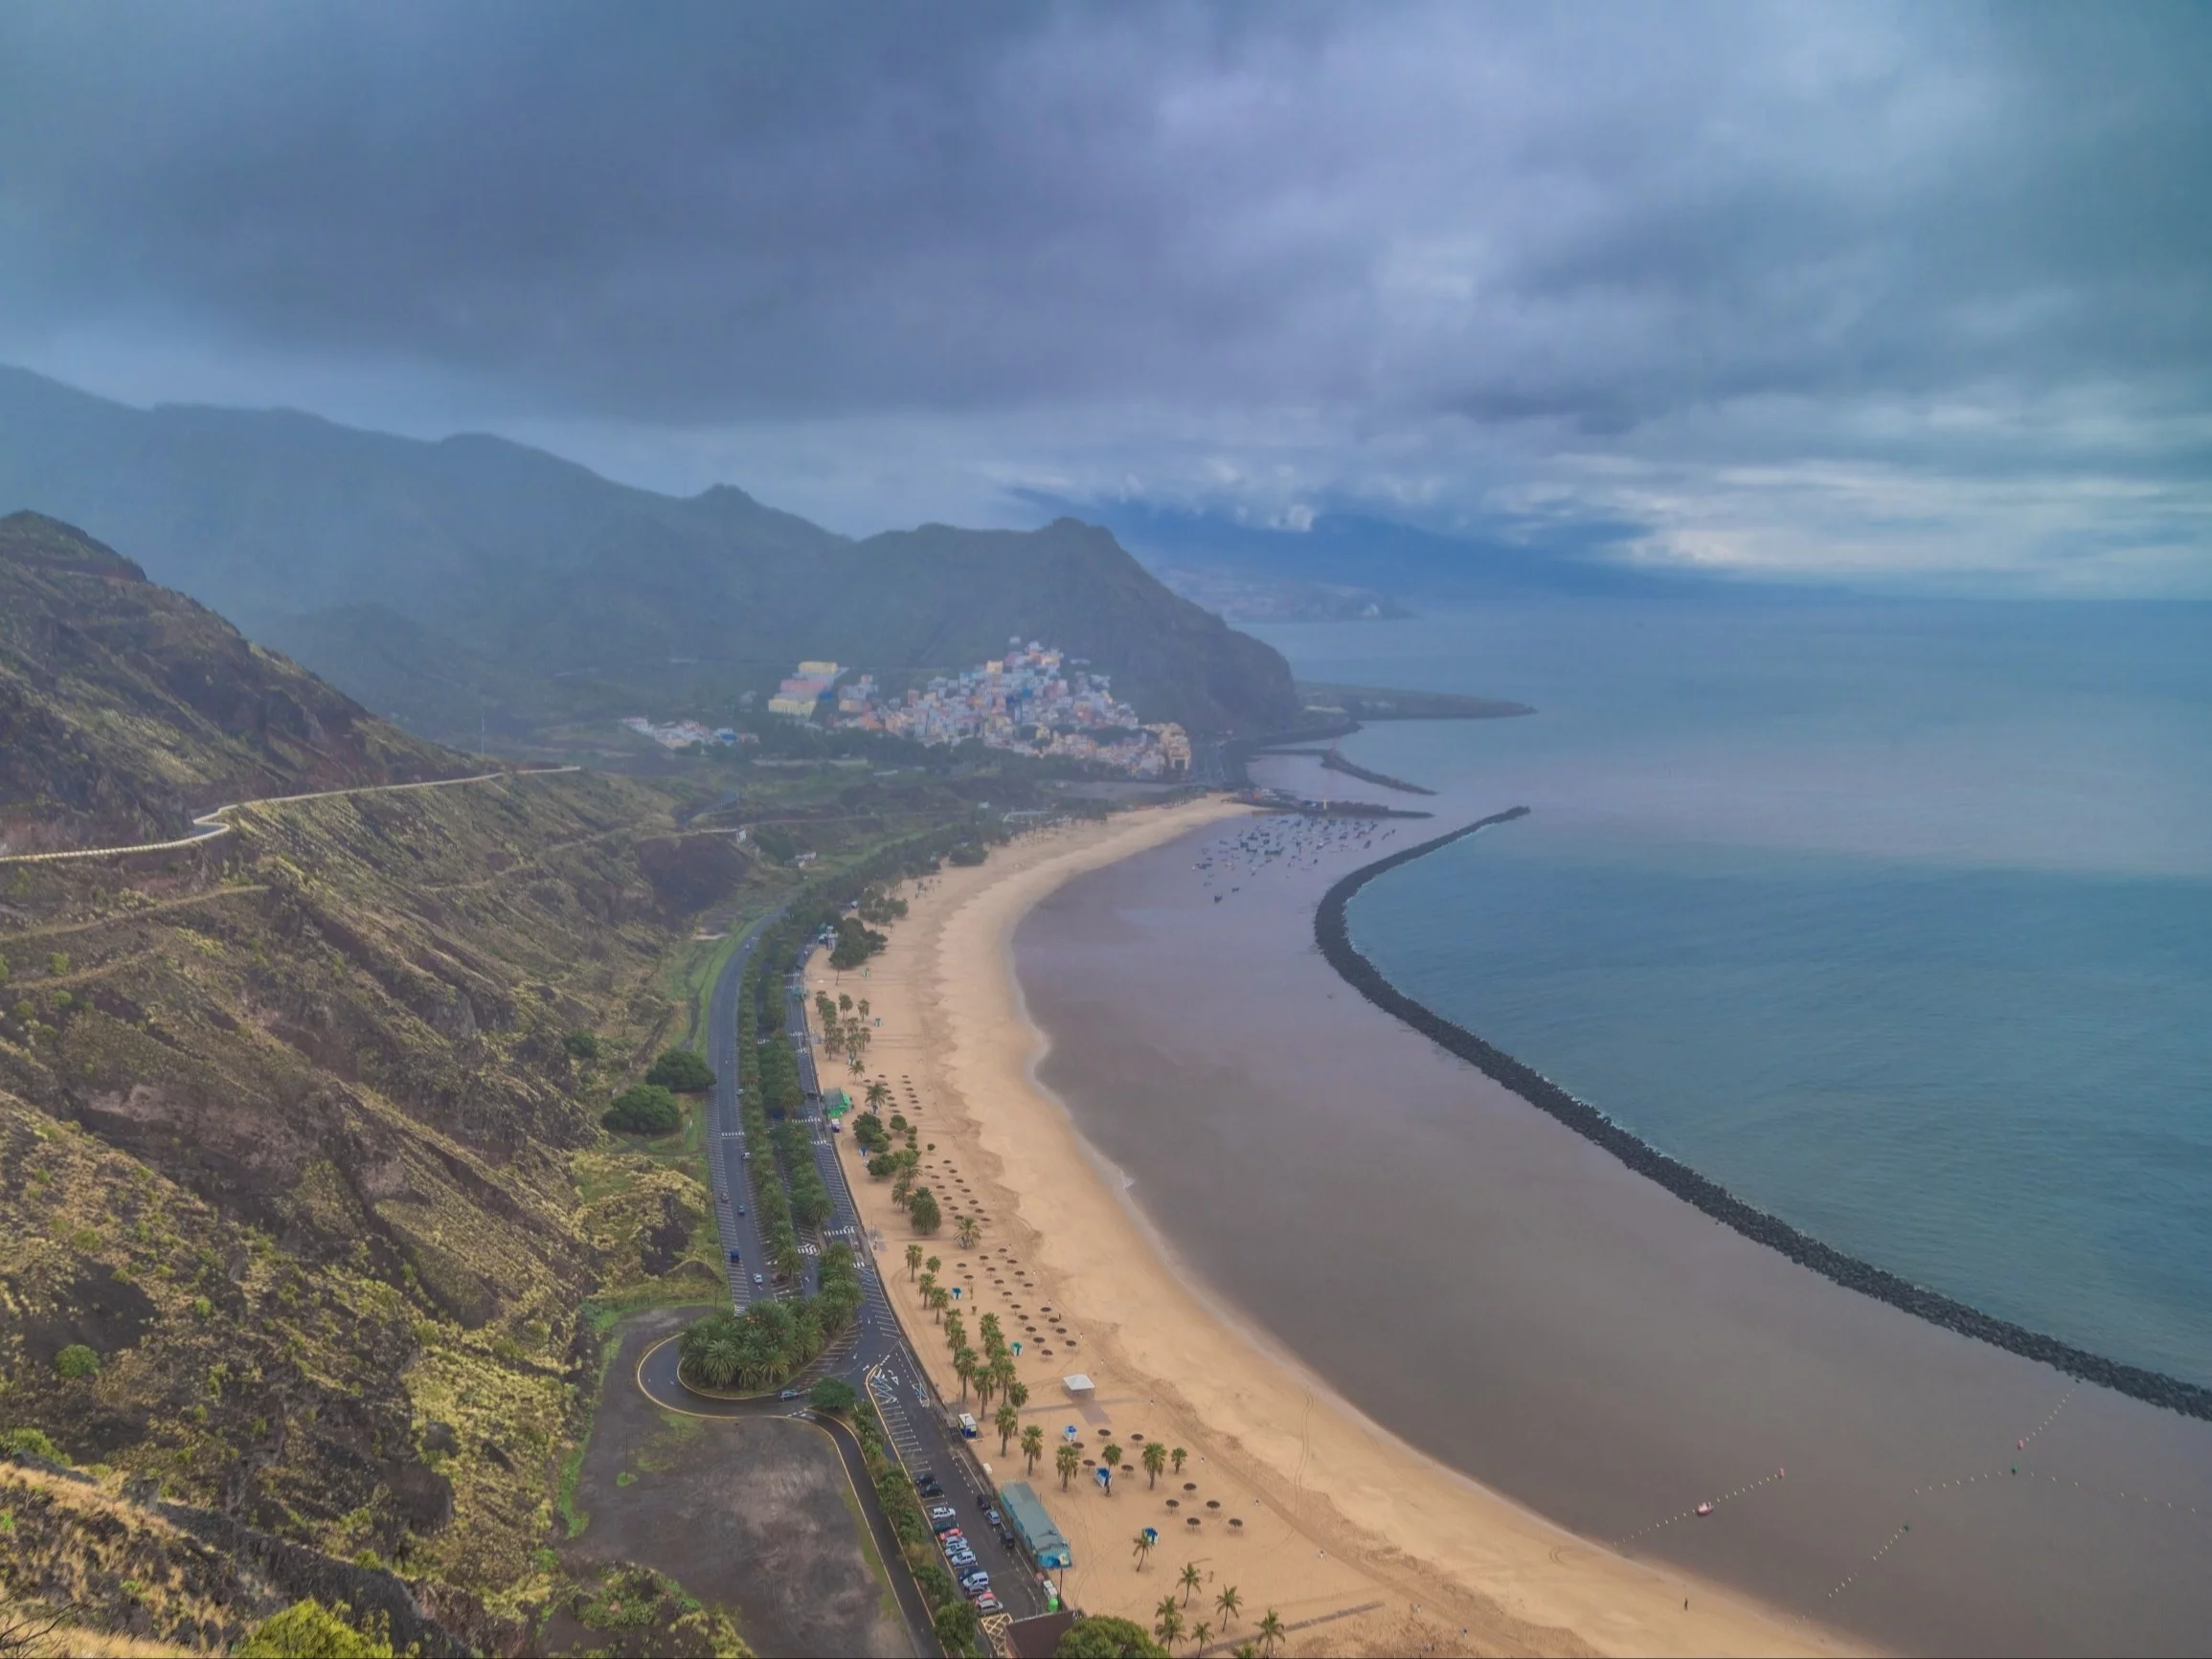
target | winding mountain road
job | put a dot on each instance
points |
(209, 826)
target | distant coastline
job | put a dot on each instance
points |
(1332, 933)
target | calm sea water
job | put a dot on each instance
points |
(1895, 919)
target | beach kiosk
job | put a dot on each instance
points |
(1018, 1502)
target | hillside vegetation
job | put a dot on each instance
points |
(302, 1185)
(478, 580)
(125, 707)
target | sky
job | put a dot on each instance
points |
(1902, 295)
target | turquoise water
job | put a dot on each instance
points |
(1897, 920)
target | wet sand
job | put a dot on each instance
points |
(1362, 1543)
(1510, 1299)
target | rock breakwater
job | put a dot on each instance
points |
(1332, 933)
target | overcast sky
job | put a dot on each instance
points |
(1890, 292)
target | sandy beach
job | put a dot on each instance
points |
(1360, 1543)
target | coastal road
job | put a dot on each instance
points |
(886, 1367)
(915, 1420)
(874, 1355)
(726, 1145)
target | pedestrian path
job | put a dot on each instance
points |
(883, 1387)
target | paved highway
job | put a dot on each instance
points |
(873, 1356)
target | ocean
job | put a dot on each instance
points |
(1894, 918)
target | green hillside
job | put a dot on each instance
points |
(126, 708)
(515, 589)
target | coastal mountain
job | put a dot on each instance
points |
(126, 708)
(474, 580)
(301, 1183)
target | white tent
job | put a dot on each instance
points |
(1077, 1383)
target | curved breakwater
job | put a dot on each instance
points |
(1332, 933)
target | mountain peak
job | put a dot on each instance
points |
(32, 538)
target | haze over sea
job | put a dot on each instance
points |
(1895, 918)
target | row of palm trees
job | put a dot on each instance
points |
(1167, 1618)
(845, 1027)
(771, 1341)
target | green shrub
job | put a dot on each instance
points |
(644, 1109)
(581, 1044)
(31, 1443)
(833, 1394)
(683, 1071)
(968, 854)
(309, 1630)
(76, 1361)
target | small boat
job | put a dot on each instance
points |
(1706, 1508)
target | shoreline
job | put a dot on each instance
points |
(1393, 1549)
(1332, 934)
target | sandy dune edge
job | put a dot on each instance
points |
(1338, 1514)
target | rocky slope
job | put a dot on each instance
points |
(126, 708)
(300, 1188)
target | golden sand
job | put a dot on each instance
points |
(1358, 1542)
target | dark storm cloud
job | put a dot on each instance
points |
(1355, 250)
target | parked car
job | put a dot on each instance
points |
(735, 1257)
(1007, 1536)
(927, 1484)
(961, 1556)
(759, 1280)
(975, 1582)
(991, 1517)
(986, 1603)
(943, 1524)
(788, 1394)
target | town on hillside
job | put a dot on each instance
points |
(1033, 699)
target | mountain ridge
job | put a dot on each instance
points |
(543, 569)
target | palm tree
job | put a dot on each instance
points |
(1017, 1394)
(913, 1260)
(1009, 1420)
(1067, 1460)
(935, 1263)
(1141, 1546)
(1270, 1630)
(878, 1095)
(1175, 1458)
(940, 1300)
(1155, 1460)
(1191, 1578)
(964, 1367)
(1200, 1634)
(1111, 1457)
(968, 1227)
(1226, 1605)
(1167, 1620)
